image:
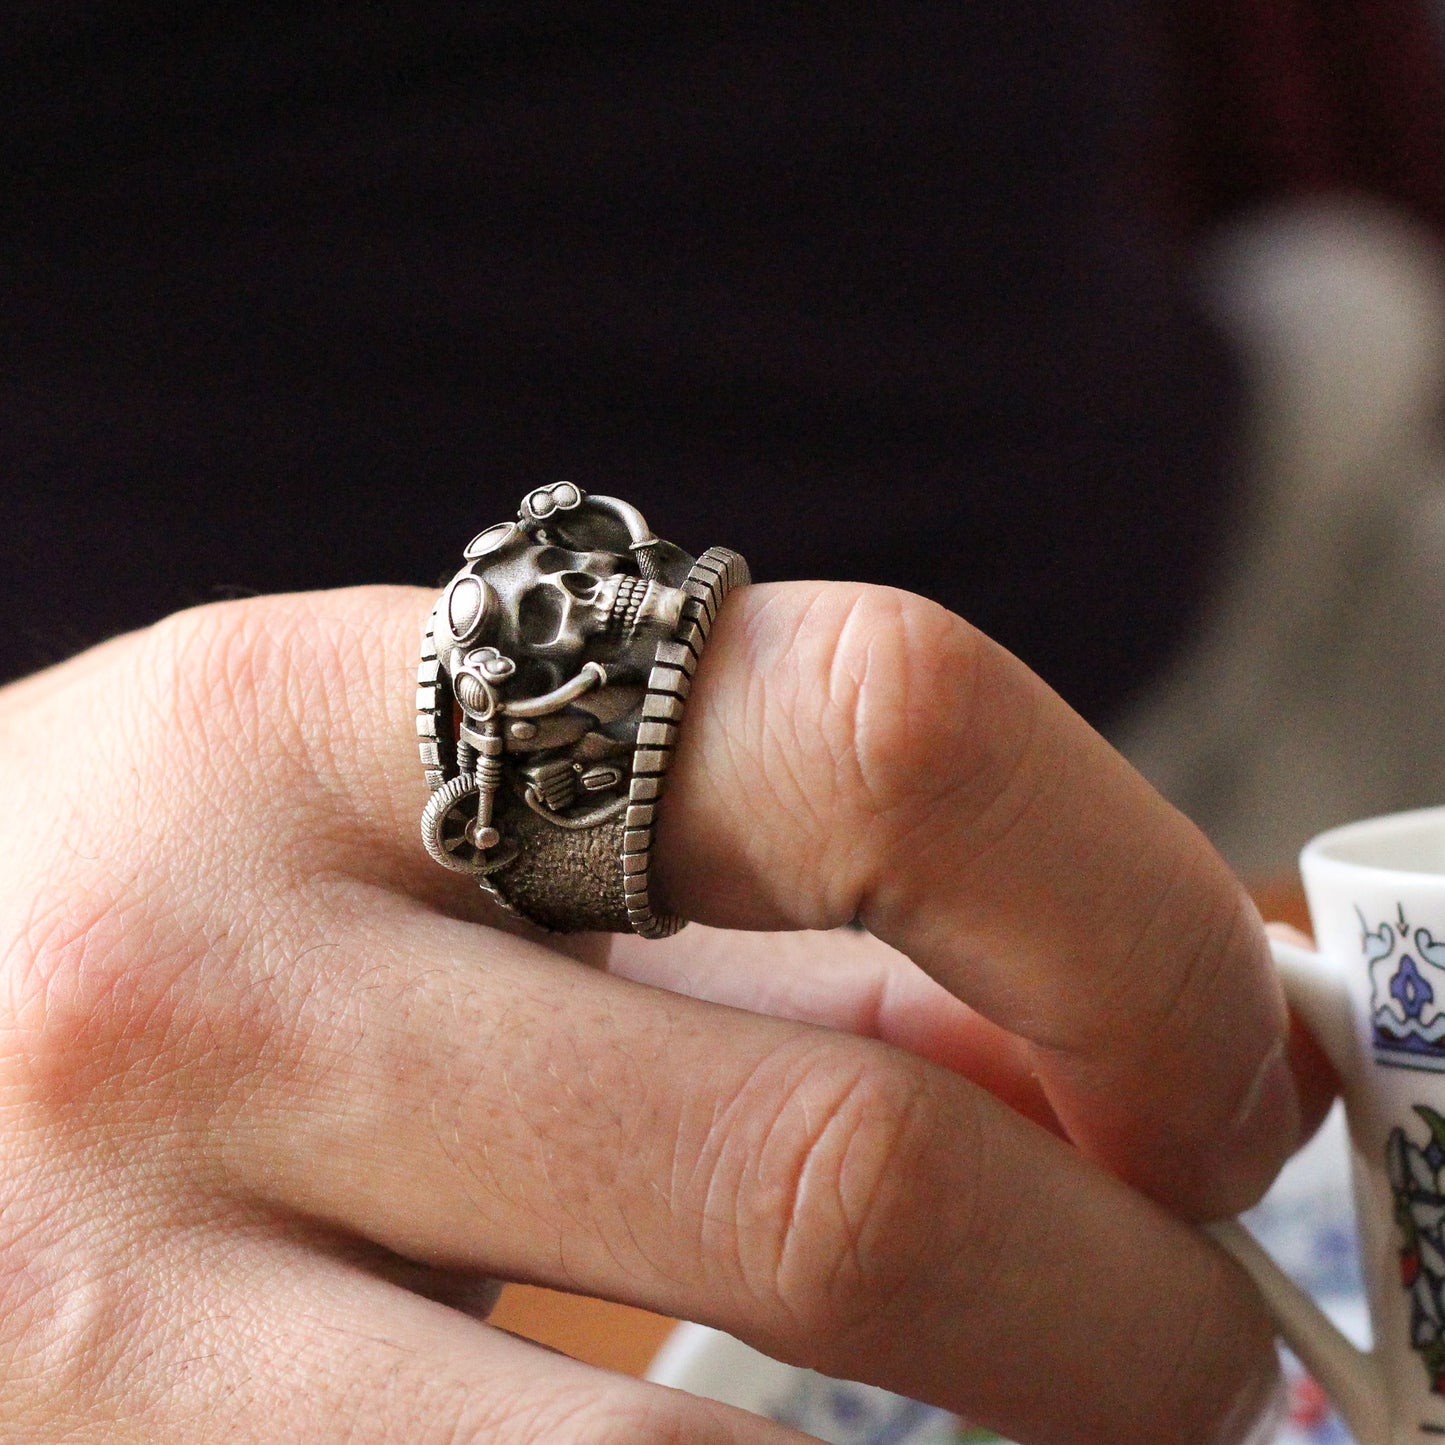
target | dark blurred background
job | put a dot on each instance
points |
(295, 296)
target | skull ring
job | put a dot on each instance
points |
(554, 672)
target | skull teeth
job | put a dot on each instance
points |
(625, 607)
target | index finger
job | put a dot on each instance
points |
(858, 752)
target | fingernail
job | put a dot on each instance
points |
(1269, 1111)
(1263, 1133)
(1268, 1097)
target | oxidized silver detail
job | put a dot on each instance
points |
(554, 673)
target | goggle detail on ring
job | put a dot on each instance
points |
(555, 668)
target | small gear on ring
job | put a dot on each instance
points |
(449, 829)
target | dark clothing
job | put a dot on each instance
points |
(302, 296)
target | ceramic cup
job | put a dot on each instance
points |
(1374, 999)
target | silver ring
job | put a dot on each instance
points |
(554, 672)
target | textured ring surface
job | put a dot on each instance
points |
(554, 675)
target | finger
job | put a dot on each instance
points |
(842, 979)
(852, 751)
(847, 751)
(837, 1202)
(262, 1340)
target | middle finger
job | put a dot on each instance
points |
(837, 1202)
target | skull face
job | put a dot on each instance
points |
(550, 609)
(553, 600)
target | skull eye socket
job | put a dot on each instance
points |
(539, 616)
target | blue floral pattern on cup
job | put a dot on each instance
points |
(1406, 966)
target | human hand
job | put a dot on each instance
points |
(278, 1103)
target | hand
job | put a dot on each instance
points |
(278, 1103)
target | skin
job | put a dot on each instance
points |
(279, 1098)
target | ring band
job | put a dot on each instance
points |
(555, 670)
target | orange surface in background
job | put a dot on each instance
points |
(1283, 901)
(619, 1337)
(614, 1336)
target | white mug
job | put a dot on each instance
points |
(1374, 999)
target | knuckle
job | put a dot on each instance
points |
(101, 1029)
(76, 1004)
(1216, 936)
(1207, 941)
(113, 997)
(91, 952)
(227, 671)
(892, 675)
(263, 698)
(852, 1156)
(921, 711)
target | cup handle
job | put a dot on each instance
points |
(1352, 1378)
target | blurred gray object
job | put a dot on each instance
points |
(1315, 692)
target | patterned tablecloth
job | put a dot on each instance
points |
(1305, 1222)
